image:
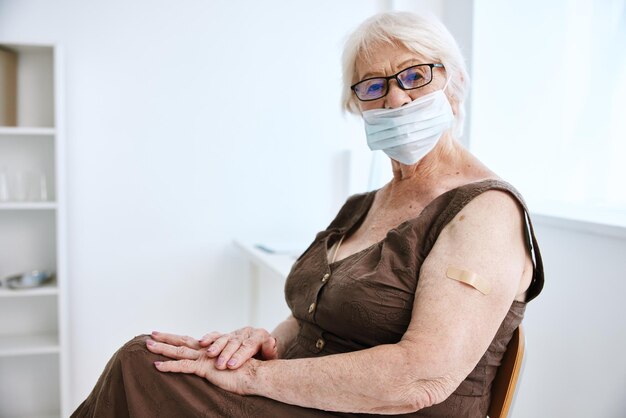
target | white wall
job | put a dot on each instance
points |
(576, 338)
(188, 124)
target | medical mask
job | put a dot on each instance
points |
(409, 132)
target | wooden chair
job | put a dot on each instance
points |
(504, 387)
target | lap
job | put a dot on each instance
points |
(131, 386)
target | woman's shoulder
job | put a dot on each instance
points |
(494, 200)
(490, 192)
(491, 200)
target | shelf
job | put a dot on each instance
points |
(28, 345)
(28, 205)
(48, 290)
(26, 131)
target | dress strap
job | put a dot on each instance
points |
(536, 284)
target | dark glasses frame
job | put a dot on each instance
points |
(395, 76)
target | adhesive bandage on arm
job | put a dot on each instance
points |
(469, 278)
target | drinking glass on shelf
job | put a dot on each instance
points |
(21, 186)
(4, 185)
(41, 189)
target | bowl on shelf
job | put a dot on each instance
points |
(28, 280)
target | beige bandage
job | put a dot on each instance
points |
(469, 278)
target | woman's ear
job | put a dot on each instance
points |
(453, 100)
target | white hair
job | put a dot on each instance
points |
(422, 34)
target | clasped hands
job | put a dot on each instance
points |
(226, 360)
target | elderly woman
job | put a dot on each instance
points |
(403, 305)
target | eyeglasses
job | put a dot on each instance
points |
(408, 79)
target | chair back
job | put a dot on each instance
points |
(504, 386)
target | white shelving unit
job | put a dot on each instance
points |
(33, 341)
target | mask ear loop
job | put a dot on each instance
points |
(446, 85)
(444, 90)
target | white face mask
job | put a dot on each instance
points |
(409, 132)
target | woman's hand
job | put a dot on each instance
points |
(237, 347)
(197, 361)
(234, 349)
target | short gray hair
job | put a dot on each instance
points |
(422, 34)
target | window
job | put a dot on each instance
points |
(549, 103)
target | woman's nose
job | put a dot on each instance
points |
(396, 96)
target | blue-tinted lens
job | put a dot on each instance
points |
(371, 89)
(414, 77)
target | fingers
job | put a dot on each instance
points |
(269, 349)
(176, 352)
(177, 340)
(179, 366)
(209, 338)
(230, 380)
(218, 345)
(232, 350)
(241, 349)
(222, 340)
(235, 353)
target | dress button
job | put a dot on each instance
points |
(312, 307)
(319, 344)
(325, 278)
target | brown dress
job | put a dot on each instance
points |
(366, 300)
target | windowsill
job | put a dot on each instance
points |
(614, 227)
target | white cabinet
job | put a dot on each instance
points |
(269, 268)
(33, 379)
